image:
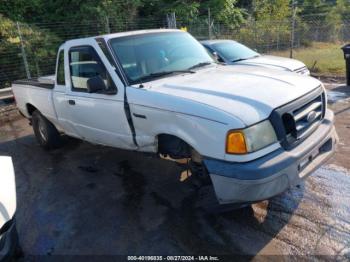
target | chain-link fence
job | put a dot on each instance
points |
(29, 50)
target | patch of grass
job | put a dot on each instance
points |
(328, 57)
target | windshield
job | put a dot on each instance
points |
(148, 56)
(233, 51)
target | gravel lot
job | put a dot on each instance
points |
(84, 199)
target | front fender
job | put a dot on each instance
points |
(207, 137)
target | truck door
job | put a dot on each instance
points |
(59, 97)
(96, 117)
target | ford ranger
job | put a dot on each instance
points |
(254, 131)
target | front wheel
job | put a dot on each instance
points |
(45, 132)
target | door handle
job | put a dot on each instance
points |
(71, 102)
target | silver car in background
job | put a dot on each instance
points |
(231, 52)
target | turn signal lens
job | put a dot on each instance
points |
(236, 143)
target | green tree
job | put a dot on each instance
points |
(270, 10)
(314, 8)
(225, 11)
(334, 19)
(185, 10)
(269, 22)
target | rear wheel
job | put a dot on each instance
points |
(45, 132)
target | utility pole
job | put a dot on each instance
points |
(174, 20)
(253, 23)
(209, 24)
(24, 56)
(108, 29)
(294, 12)
(171, 20)
(168, 20)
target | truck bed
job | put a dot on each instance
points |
(38, 82)
(36, 93)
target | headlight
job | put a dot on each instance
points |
(305, 72)
(250, 139)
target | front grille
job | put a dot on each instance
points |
(307, 115)
(297, 120)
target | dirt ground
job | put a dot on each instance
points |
(84, 199)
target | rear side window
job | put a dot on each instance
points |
(60, 69)
(84, 64)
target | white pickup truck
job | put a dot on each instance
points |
(255, 131)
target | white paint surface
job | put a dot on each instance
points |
(7, 190)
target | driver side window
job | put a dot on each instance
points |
(84, 63)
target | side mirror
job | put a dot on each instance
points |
(95, 84)
(217, 57)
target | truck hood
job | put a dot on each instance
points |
(249, 93)
(7, 190)
(274, 62)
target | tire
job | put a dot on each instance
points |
(45, 132)
(200, 174)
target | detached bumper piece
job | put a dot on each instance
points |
(8, 240)
(274, 173)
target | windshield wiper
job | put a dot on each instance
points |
(162, 73)
(242, 59)
(200, 65)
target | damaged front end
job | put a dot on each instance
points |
(272, 174)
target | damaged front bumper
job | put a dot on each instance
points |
(274, 173)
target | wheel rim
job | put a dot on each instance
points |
(42, 130)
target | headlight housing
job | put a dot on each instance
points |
(250, 139)
(305, 72)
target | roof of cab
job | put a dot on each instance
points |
(139, 32)
(122, 34)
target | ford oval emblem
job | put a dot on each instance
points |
(311, 116)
